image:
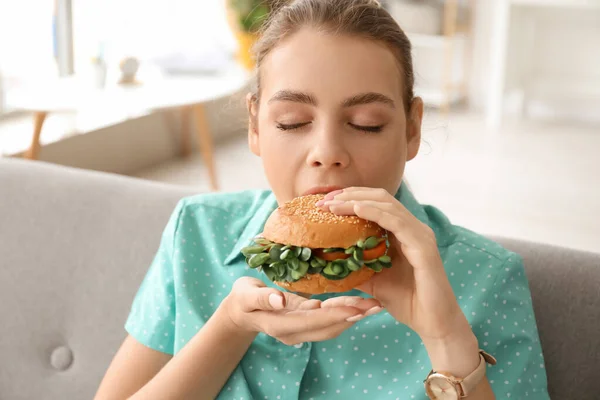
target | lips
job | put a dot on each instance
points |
(321, 190)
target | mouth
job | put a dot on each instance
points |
(321, 190)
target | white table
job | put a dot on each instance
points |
(114, 104)
(503, 12)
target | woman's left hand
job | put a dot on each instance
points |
(415, 290)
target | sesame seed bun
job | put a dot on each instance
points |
(301, 223)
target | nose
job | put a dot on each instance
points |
(328, 151)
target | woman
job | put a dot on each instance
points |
(333, 111)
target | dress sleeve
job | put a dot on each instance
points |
(151, 320)
(512, 337)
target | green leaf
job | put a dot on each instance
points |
(270, 272)
(385, 259)
(306, 253)
(360, 244)
(247, 251)
(332, 277)
(358, 255)
(303, 268)
(333, 250)
(285, 254)
(315, 270)
(256, 260)
(281, 271)
(296, 275)
(329, 270)
(353, 265)
(275, 265)
(321, 262)
(275, 252)
(349, 250)
(377, 267)
(298, 251)
(337, 269)
(371, 242)
(294, 264)
(262, 241)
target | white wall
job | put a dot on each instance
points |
(563, 64)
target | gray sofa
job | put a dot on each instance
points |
(75, 245)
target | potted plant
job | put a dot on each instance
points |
(246, 18)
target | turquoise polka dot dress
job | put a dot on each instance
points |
(199, 259)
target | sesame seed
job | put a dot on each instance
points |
(305, 207)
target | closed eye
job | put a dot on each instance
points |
(291, 127)
(368, 129)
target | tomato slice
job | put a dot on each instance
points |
(370, 254)
(337, 255)
(375, 252)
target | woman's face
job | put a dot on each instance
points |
(331, 115)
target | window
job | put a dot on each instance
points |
(190, 35)
(27, 51)
(175, 33)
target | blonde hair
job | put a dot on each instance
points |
(361, 18)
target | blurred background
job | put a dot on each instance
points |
(154, 89)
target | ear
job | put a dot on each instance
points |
(253, 140)
(413, 128)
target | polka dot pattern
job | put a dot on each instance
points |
(198, 261)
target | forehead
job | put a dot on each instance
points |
(331, 66)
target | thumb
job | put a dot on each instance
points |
(267, 299)
(255, 295)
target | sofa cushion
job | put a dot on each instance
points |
(74, 247)
(565, 289)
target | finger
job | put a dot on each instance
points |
(316, 336)
(407, 231)
(288, 323)
(359, 193)
(295, 302)
(361, 303)
(340, 207)
(257, 296)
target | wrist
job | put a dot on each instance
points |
(456, 353)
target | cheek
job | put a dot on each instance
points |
(385, 153)
(382, 162)
(280, 160)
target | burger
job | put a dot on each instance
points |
(306, 249)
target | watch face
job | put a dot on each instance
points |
(439, 388)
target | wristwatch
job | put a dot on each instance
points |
(443, 386)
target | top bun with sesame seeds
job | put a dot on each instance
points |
(301, 223)
(306, 249)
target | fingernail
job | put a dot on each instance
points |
(373, 311)
(332, 203)
(320, 203)
(355, 318)
(331, 195)
(276, 301)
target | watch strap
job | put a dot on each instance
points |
(468, 384)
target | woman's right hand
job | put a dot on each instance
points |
(292, 319)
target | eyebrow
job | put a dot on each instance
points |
(293, 96)
(359, 99)
(368, 98)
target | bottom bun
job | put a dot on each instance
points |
(318, 284)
